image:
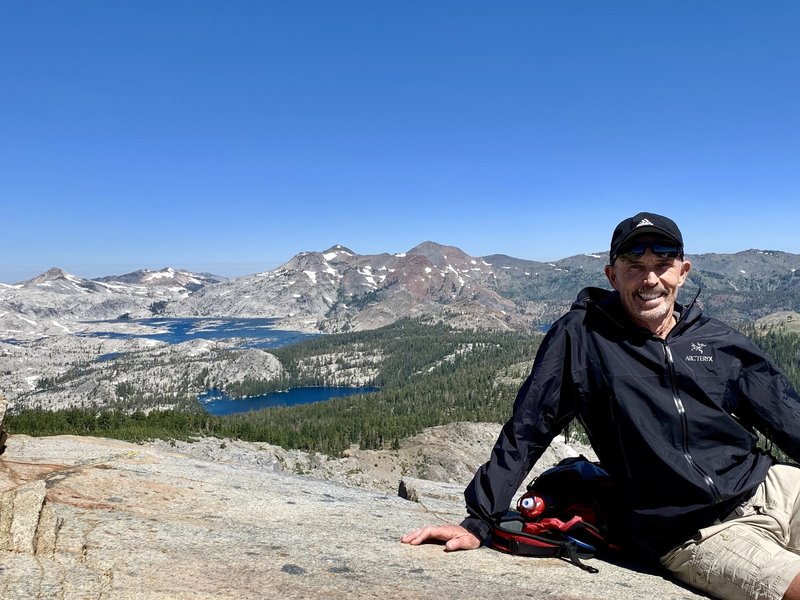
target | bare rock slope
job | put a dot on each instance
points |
(87, 518)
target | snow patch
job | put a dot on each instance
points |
(312, 275)
(330, 255)
(169, 274)
(122, 288)
(366, 273)
(57, 324)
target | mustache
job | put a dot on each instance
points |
(651, 291)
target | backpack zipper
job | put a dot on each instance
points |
(679, 407)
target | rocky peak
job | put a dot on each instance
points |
(417, 274)
(61, 282)
(50, 275)
(338, 253)
(166, 277)
(443, 257)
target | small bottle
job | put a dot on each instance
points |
(531, 505)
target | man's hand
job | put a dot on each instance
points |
(454, 536)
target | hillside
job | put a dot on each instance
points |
(427, 374)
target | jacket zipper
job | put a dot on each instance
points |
(685, 423)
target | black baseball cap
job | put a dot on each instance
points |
(641, 224)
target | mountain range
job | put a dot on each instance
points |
(339, 290)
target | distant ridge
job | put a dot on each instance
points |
(339, 290)
(164, 277)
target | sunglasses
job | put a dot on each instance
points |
(660, 249)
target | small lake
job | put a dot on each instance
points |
(219, 403)
(248, 333)
(251, 333)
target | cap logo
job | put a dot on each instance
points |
(644, 222)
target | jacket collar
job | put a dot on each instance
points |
(608, 303)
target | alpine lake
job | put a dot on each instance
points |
(249, 333)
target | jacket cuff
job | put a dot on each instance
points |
(476, 527)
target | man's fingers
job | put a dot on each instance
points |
(416, 537)
(410, 536)
(466, 541)
(456, 537)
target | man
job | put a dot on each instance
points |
(670, 400)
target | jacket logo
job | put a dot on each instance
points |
(644, 222)
(698, 356)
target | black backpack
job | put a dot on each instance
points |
(567, 512)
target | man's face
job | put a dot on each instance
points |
(648, 285)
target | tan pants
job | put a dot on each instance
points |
(755, 553)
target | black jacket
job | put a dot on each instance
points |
(672, 420)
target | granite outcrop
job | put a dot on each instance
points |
(88, 518)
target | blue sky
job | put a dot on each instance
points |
(228, 136)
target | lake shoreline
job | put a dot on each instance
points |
(219, 403)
